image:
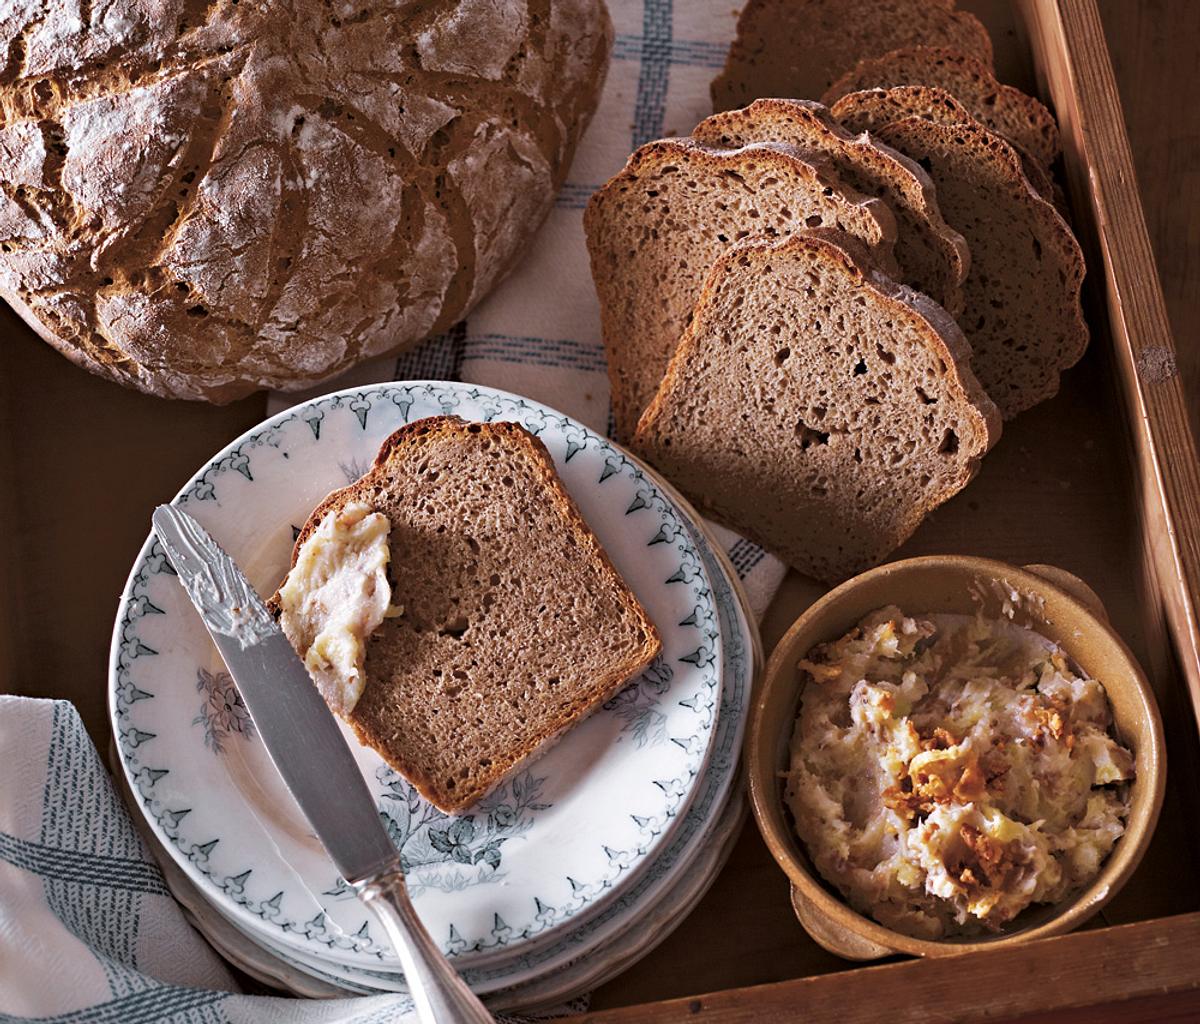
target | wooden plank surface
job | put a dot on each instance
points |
(1155, 48)
(1144, 972)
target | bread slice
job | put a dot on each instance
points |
(871, 109)
(654, 230)
(932, 256)
(1005, 110)
(798, 48)
(515, 624)
(817, 406)
(1022, 315)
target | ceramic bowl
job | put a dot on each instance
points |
(1044, 598)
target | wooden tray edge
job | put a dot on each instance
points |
(1073, 62)
(1122, 965)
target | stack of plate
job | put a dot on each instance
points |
(571, 870)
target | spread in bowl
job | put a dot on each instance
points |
(947, 771)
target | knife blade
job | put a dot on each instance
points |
(293, 721)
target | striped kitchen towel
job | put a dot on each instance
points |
(88, 929)
(538, 332)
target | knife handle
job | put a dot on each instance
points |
(441, 996)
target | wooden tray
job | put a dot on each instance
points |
(1104, 481)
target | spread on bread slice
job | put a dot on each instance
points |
(506, 622)
(799, 47)
(817, 406)
(932, 256)
(654, 230)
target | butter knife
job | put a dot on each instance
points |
(307, 747)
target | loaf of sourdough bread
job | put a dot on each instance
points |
(514, 624)
(199, 200)
(817, 406)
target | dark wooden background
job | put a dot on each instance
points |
(62, 432)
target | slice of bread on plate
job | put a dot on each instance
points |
(932, 256)
(654, 230)
(1006, 111)
(798, 48)
(509, 624)
(817, 406)
(869, 110)
(1022, 313)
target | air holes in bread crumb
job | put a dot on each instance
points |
(814, 221)
(885, 355)
(860, 368)
(455, 628)
(949, 445)
(808, 436)
(782, 356)
(925, 397)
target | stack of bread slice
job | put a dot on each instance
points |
(816, 317)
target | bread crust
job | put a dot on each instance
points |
(405, 443)
(1018, 372)
(871, 168)
(266, 194)
(871, 110)
(1019, 118)
(798, 47)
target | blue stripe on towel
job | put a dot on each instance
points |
(75, 866)
(438, 358)
(745, 556)
(688, 52)
(573, 196)
(559, 353)
(655, 72)
(442, 358)
(152, 1005)
(81, 867)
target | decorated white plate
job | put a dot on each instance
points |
(683, 858)
(561, 839)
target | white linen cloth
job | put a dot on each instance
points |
(88, 929)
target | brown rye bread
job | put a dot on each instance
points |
(817, 406)
(798, 48)
(516, 625)
(932, 257)
(1005, 110)
(199, 200)
(869, 110)
(1023, 316)
(654, 230)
